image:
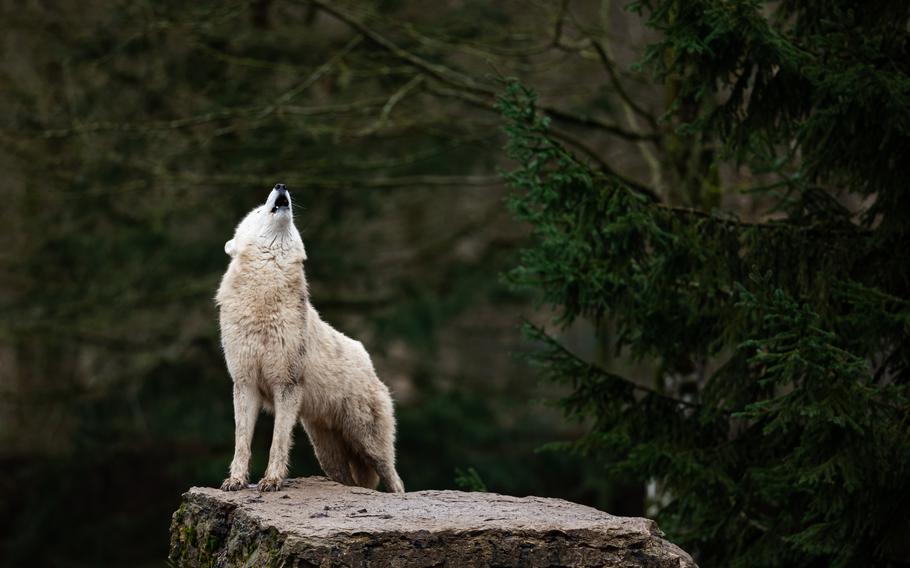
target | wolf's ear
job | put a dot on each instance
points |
(230, 249)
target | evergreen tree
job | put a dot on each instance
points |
(777, 425)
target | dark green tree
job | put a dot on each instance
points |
(776, 426)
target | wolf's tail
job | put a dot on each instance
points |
(364, 475)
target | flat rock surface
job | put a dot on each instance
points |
(317, 522)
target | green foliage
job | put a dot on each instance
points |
(777, 427)
(469, 480)
(817, 89)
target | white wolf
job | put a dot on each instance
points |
(282, 356)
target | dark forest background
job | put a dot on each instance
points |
(699, 206)
(135, 135)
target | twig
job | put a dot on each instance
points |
(390, 104)
(629, 105)
(320, 71)
(618, 86)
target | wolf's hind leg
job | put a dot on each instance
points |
(332, 452)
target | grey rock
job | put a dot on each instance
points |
(314, 522)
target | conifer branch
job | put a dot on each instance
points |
(686, 212)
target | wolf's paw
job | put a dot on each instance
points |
(269, 484)
(233, 484)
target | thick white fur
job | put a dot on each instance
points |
(282, 356)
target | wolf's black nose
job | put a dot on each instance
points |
(280, 187)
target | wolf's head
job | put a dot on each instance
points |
(268, 230)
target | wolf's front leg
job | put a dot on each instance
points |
(246, 407)
(287, 409)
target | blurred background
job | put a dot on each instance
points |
(135, 135)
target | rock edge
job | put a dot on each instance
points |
(314, 522)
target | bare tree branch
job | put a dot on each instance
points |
(256, 112)
(488, 103)
(618, 86)
(629, 105)
(364, 182)
(320, 71)
(459, 80)
(440, 72)
(604, 167)
(391, 102)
